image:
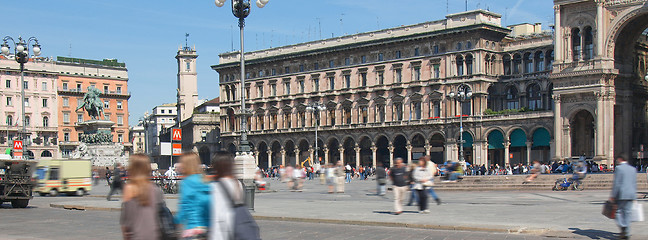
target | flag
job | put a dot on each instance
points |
(17, 121)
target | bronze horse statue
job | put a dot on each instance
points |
(92, 103)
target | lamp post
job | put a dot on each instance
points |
(245, 161)
(145, 122)
(316, 108)
(21, 54)
(462, 94)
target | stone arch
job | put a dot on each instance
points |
(633, 16)
(349, 145)
(275, 157)
(303, 147)
(581, 130)
(333, 146)
(541, 144)
(263, 155)
(382, 152)
(231, 148)
(418, 143)
(437, 147)
(518, 139)
(46, 153)
(495, 140)
(400, 146)
(291, 157)
(366, 154)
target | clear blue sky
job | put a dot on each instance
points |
(145, 34)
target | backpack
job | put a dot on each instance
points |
(245, 227)
(168, 229)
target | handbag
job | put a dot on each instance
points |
(637, 212)
(609, 209)
(168, 229)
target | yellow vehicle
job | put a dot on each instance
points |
(70, 176)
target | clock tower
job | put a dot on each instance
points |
(187, 82)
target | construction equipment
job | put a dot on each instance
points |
(15, 180)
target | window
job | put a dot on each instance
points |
(260, 91)
(347, 115)
(287, 88)
(534, 97)
(528, 63)
(381, 113)
(66, 137)
(363, 79)
(119, 104)
(79, 117)
(120, 137)
(261, 73)
(107, 116)
(381, 78)
(332, 117)
(468, 45)
(517, 62)
(65, 86)
(347, 61)
(398, 111)
(316, 66)
(302, 86)
(27, 120)
(247, 92)
(316, 84)
(302, 119)
(331, 83)
(274, 72)
(9, 101)
(460, 66)
(287, 120)
(398, 54)
(54, 172)
(78, 87)
(188, 66)
(576, 44)
(331, 63)
(162, 111)
(436, 109)
(469, 64)
(25, 84)
(539, 61)
(589, 44)
(364, 114)
(106, 89)
(549, 60)
(507, 64)
(66, 102)
(261, 122)
(118, 90)
(273, 90)
(286, 70)
(436, 49)
(9, 120)
(398, 75)
(120, 119)
(301, 67)
(363, 59)
(347, 81)
(44, 102)
(66, 117)
(416, 72)
(458, 46)
(106, 104)
(436, 69)
(416, 52)
(8, 84)
(45, 122)
(380, 57)
(416, 111)
(512, 98)
(273, 120)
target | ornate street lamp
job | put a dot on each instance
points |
(462, 94)
(21, 54)
(245, 161)
(316, 108)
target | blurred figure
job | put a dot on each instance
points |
(330, 177)
(349, 172)
(95, 177)
(398, 175)
(193, 202)
(432, 168)
(410, 180)
(535, 171)
(381, 179)
(624, 192)
(139, 212)
(339, 174)
(117, 183)
(289, 176)
(421, 181)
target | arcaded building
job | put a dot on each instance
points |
(578, 89)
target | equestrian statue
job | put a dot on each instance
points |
(92, 103)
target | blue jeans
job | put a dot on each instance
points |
(348, 177)
(624, 214)
(413, 196)
(432, 193)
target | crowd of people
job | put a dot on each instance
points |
(210, 203)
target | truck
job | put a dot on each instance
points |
(69, 176)
(16, 181)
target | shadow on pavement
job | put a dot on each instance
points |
(594, 234)
(391, 213)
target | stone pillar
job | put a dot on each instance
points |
(481, 152)
(528, 152)
(374, 149)
(558, 127)
(409, 153)
(451, 151)
(558, 52)
(297, 156)
(269, 158)
(311, 153)
(326, 155)
(599, 127)
(428, 148)
(600, 25)
(283, 156)
(256, 158)
(341, 150)
(357, 156)
(609, 120)
(391, 155)
(507, 160)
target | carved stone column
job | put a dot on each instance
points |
(311, 153)
(409, 153)
(374, 149)
(391, 155)
(283, 156)
(341, 150)
(428, 148)
(297, 156)
(326, 155)
(528, 152)
(357, 152)
(507, 160)
(256, 158)
(269, 158)
(558, 126)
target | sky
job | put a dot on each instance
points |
(146, 34)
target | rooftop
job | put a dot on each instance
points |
(81, 61)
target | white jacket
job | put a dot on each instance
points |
(221, 212)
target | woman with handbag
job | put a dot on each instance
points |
(193, 204)
(421, 181)
(139, 212)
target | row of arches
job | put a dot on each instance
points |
(534, 97)
(529, 62)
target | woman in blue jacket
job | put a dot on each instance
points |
(193, 209)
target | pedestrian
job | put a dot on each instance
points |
(421, 182)
(108, 176)
(624, 192)
(117, 183)
(432, 168)
(289, 176)
(410, 180)
(139, 212)
(95, 177)
(330, 177)
(348, 171)
(339, 174)
(535, 171)
(193, 202)
(381, 179)
(398, 175)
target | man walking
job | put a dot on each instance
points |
(398, 175)
(381, 179)
(624, 192)
(116, 182)
(339, 174)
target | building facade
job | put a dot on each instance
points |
(385, 95)
(162, 118)
(40, 106)
(75, 76)
(137, 137)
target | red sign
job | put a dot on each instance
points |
(176, 134)
(177, 149)
(17, 154)
(18, 145)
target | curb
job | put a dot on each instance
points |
(84, 208)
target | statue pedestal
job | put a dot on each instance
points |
(97, 136)
(96, 126)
